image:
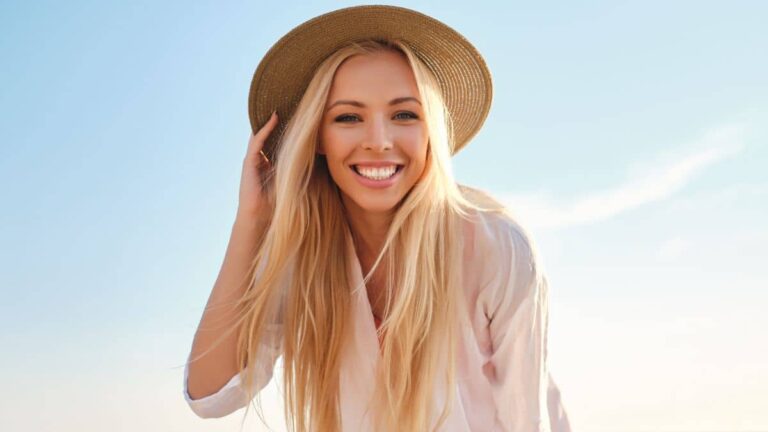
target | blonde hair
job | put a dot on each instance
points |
(304, 246)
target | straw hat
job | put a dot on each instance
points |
(285, 71)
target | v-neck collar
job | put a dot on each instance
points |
(363, 312)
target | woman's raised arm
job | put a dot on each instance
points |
(209, 373)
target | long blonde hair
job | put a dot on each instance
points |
(299, 276)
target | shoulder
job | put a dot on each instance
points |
(504, 249)
(498, 232)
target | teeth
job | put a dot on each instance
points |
(380, 173)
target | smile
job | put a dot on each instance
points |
(378, 177)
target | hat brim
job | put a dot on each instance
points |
(285, 71)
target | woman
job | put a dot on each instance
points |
(350, 228)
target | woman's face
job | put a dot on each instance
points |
(373, 133)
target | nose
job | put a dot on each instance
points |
(378, 135)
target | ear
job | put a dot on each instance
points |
(319, 148)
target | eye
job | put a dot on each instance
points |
(409, 114)
(342, 117)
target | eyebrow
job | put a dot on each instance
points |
(362, 105)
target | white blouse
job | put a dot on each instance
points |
(503, 382)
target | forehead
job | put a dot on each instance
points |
(374, 74)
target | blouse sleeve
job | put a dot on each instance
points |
(233, 396)
(517, 308)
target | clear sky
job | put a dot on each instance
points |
(630, 137)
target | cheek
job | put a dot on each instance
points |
(419, 158)
(419, 145)
(335, 155)
(417, 152)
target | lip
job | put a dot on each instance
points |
(377, 163)
(378, 184)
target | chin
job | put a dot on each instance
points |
(371, 204)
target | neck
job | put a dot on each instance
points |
(369, 230)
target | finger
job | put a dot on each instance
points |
(264, 131)
(257, 159)
(256, 141)
(264, 156)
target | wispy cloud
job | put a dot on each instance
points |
(647, 182)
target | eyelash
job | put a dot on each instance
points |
(339, 118)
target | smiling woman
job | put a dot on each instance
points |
(375, 146)
(398, 299)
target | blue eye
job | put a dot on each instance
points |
(342, 117)
(410, 115)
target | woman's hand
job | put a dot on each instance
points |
(253, 201)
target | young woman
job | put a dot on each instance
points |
(398, 299)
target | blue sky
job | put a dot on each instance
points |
(630, 137)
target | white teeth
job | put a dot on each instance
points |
(380, 173)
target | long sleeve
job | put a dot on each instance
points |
(558, 417)
(233, 396)
(517, 308)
